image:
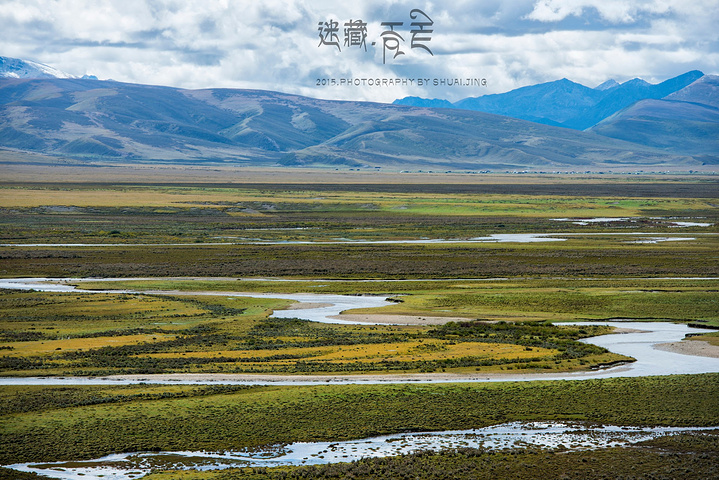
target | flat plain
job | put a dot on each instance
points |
(622, 247)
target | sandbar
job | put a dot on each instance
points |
(700, 348)
(397, 319)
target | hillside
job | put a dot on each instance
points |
(686, 121)
(566, 103)
(110, 121)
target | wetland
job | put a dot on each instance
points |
(204, 278)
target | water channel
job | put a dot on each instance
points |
(571, 436)
(640, 237)
(638, 341)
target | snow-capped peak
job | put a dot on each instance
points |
(17, 68)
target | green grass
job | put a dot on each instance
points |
(578, 258)
(585, 277)
(137, 216)
(556, 304)
(345, 198)
(258, 416)
(105, 333)
(104, 213)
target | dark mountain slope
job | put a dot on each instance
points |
(111, 121)
(548, 103)
(566, 103)
(685, 122)
(627, 94)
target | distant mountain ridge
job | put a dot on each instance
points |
(687, 119)
(704, 91)
(112, 121)
(565, 103)
(108, 121)
(611, 83)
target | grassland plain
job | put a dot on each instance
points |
(589, 257)
(55, 423)
(103, 333)
(493, 299)
(223, 231)
(50, 213)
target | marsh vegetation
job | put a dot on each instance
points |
(174, 230)
(508, 292)
(102, 333)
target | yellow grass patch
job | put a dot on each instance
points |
(432, 204)
(413, 306)
(368, 353)
(47, 347)
(711, 338)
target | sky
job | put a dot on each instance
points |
(456, 49)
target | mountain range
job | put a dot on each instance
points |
(563, 102)
(107, 121)
(686, 119)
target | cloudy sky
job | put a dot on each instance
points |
(276, 44)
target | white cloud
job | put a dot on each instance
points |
(615, 11)
(273, 44)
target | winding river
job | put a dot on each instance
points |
(638, 342)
